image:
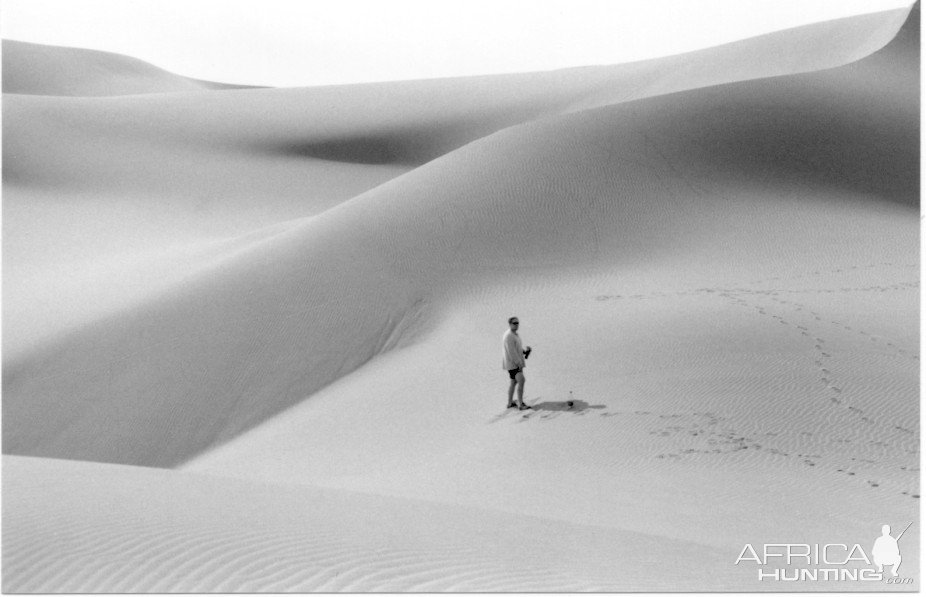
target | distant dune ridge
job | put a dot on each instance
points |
(36, 69)
(304, 289)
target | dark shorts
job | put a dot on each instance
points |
(513, 373)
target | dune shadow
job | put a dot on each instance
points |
(357, 149)
(408, 145)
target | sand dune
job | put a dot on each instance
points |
(417, 235)
(714, 254)
(157, 173)
(36, 69)
(291, 539)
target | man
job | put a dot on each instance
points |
(886, 551)
(514, 361)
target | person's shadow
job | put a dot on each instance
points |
(551, 410)
(576, 407)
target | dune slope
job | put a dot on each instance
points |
(90, 538)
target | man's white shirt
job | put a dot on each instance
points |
(514, 351)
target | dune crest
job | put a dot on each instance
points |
(37, 69)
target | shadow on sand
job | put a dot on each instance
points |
(577, 406)
(549, 410)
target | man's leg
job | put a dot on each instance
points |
(511, 391)
(896, 565)
(520, 379)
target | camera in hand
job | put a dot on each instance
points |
(527, 352)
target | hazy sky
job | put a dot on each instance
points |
(315, 42)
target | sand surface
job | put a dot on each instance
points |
(252, 336)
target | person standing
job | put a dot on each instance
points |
(514, 361)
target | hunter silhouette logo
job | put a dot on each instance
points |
(886, 551)
(816, 562)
